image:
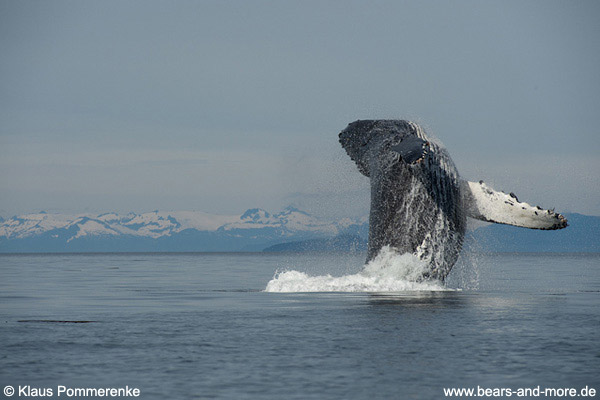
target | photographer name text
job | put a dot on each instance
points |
(66, 391)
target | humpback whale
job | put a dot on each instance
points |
(419, 203)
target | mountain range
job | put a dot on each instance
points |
(582, 235)
(254, 230)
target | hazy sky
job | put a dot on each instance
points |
(219, 106)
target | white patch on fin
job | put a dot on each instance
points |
(486, 204)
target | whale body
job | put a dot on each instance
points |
(419, 204)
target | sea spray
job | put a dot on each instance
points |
(388, 272)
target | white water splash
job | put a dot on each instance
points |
(388, 272)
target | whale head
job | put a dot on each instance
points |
(400, 141)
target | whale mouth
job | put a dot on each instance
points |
(412, 150)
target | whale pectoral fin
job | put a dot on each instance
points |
(412, 149)
(486, 204)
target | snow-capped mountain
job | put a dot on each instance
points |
(166, 231)
(254, 230)
(290, 220)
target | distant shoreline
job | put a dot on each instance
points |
(257, 231)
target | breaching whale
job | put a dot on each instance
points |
(419, 204)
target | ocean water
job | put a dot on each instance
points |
(187, 326)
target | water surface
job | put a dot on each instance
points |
(185, 326)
